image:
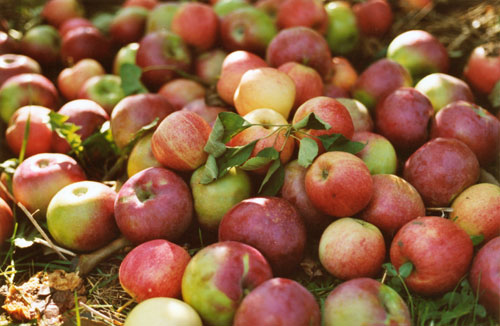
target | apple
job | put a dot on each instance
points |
(106, 90)
(208, 113)
(219, 276)
(43, 44)
(159, 55)
(156, 311)
(26, 89)
(178, 142)
(6, 222)
(40, 134)
(351, 248)
(266, 136)
(141, 157)
(129, 115)
(16, 64)
(181, 91)
(57, 12)
(247, 29)
(85, 42)
(308, 82)
(265, 88)
(224, 7)
(470, 123)
(378, 80)
(378, 154)
(7, 44)
(128, 24)
(342, 33)
(364, 301)
(439, 250)
(419, 52)
(293, 190)
(102, 21)
(213, 200)
(278, 301)
(197, 24)
(339, 184)
(477, 211)
(72, 23)
(303, 45)
(485, 278)
(161, 16)
(394, 203)
(126, 54)
(233, 67)
(403, 118)
(343, 75)
(208, 65)
(271, 7)
(153, 269)
(483, 67)
(360, 115)
(154, 203)
(86, 114)
(334, 91)
(411, 5)
(71, 80)
(443, 89)
(39, 177)
(271, 225)
(148, 4)
(308, 13)
(80, 216)
(441, 169)
(374, 17)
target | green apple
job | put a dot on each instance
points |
(141, 156)
(161, 312)
(379, 154)
(342, 33)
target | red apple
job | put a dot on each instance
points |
(43, 44)
(411, 5)
(74, 23)
(308, 82)
(16, 64)
(439, 250)
(6, 222)
(378, 154)
(70, 80)
(343, 74)
(308, 13)
(57, 12)
(483, 67)
(360, 115)
(128, 24)
(374, 17)
(7, 44)
(85, 42)
(154, 269)
(155, 311)
(441, 169)
(208, 65)
(181, 91)
(153, 204)
(208, 113)
(161, 16)
(148, 4)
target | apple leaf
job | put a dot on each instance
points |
(308, 150)
(210, 172)
(66, 130)
(25, 139)
(406, 269)
(311, 121)
(337, 142)
(477, 239)
(130, 75)
(262, 158)
(494, 96)
(328, 140)
(214, 146)
(391, 270)
(349, 146)
(138, 135)
(235, 156)
(273, 180)
(233, 124)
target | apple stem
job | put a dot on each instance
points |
(87, 262)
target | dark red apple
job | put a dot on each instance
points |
(128, 25)
(6, 222)
(181, 91)
(7, 43)
(43, 44)
(308, 82)
(16, 64)
(483, 67)
(85, 42)
(307, 13)
(148, 4)
(374, 17)
(74, 23)
(57, 12)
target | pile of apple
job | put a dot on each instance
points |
(275, 165)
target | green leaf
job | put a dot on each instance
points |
(494, 96)
(311, 121)
(480, 311)
(352, 147)
(477, 239)
(391, 270)
(66, 130)
(138, 135)
(273, 180)
(262, 158)
(130, 75)
(233, 124)
(329, 140)
(406, 269)
(214, 146)
(25, 139)
(235, 156)
(308, 150)
(337, 142)
(210, 172)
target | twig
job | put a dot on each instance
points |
(87, 262)
(100, 314)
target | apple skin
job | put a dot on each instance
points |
(86, 114)
(443, 89)
(441, 169)
(197, 24)
(364, 301)
(126, 54)
(265, 88)
(374, 17)
(485, 278)
(178, 142)
(218, 277)
(483, 68)
(39, 177)
(6, 222)
(7, 44)
(155, 311)
(350, 248)
(71, 80)
(105, 90)
(278, 301)
(153, 204)
(342, 33)
(294, 191)
(162, 48)
(213, 200)
(378, 154)
(208, 113)
(410, 5)
(148, 4)
(26, 89)
(379, 80)
(343, 74)
(73, 23)
(181, 91)
(394, 203)
(308, 13)
(80, 216)
(403, 118)
(360, 115)
(271, 225)
(233, 67)
(154, 269)
(141, 157)
(303, 45)
(16, 64)
(470, 123)
(339, 184)
(40, 134)
(419, 52)
(208, 65)
(439, 250)
(161, 16)
(477, 210)
(85, 42)
(57, 12)
(43, 44)
(128, 25)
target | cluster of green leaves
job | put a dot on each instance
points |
(222, 158)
